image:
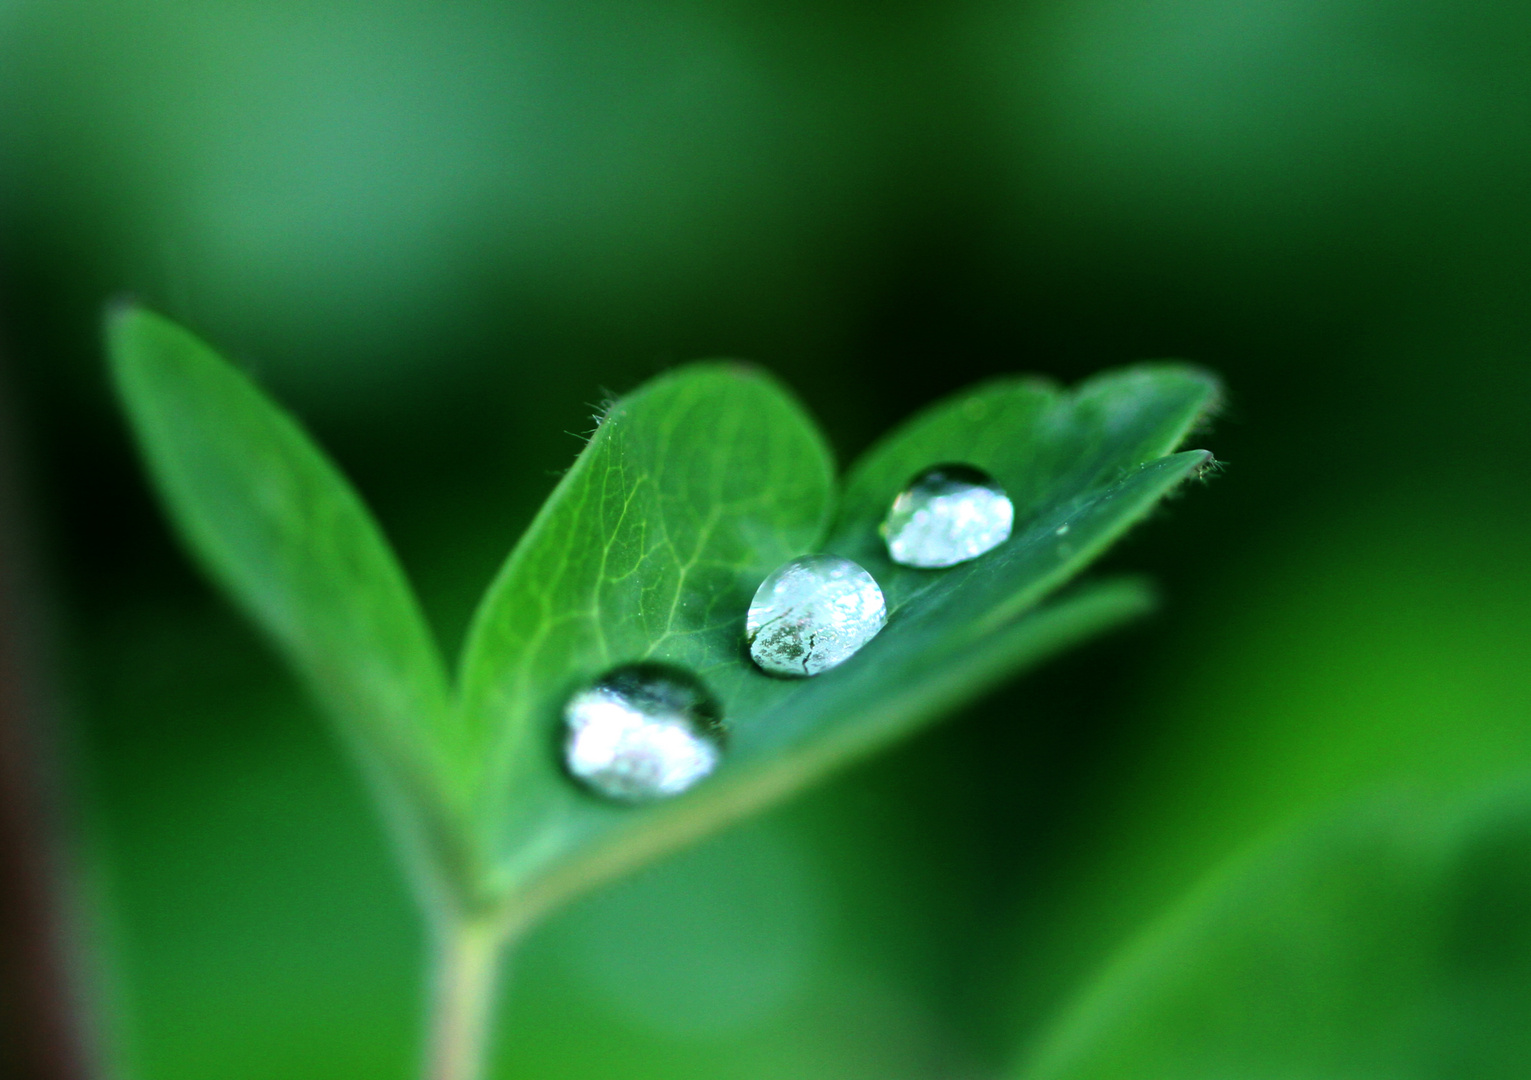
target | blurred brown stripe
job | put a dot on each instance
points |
(44, 1033)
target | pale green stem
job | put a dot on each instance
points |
(467, 959)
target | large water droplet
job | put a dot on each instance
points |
(947, 515)
(644, 731)
(813, 614)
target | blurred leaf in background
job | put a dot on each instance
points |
(1390, 941)
(440, 233)
(1372, 675)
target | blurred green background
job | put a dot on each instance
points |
(1281, 830)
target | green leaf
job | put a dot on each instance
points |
(690, 492)
(1388, 940)
(1082, 467)
(284, 534)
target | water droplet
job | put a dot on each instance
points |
(947, 515)
(1061, 530)
(644, 731)
(813, 614)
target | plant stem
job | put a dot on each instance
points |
(46, 1029)
(467, 959)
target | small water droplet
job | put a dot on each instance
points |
(812, 614)
(947, 515)
(1061, 530)
(641, 732)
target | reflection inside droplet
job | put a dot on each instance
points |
(812, 614)
(644, 731)
(947, 515)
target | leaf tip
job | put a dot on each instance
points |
(1214, 401)
(121, 316)
(1207, 468)
(131, 331)
(121, 308)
